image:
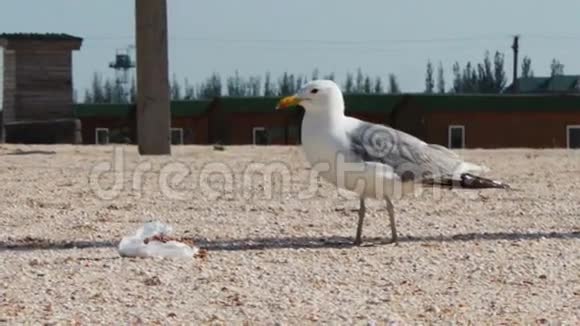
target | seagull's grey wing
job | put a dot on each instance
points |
(408, 156)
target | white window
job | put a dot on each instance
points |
(260, 136)
(177, 136)
(101, 136)
(573, 136)
(456, 136)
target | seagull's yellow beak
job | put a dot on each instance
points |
(288, 101)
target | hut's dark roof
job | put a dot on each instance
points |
(39, 37)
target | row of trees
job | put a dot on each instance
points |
(487, 76)
(110, 91)
(286, 84)
(484, 77)
(113, 91)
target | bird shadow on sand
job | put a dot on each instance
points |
(338, 242)
(335, 242)
(29, 244)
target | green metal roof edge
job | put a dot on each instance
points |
(385, 103)
(249, 104)
(189, 108)
(102, 110)
(355, 103)
(562, 83)
(376, 103)
(178, 109)
(496, 102)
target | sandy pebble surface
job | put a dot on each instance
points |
(481, 257)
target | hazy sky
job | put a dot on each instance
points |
(255, 36)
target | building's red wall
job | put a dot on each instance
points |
(194, 129)
(241, 127)
(482, 129)
(88, 126)
(201, 130)
(497, 130)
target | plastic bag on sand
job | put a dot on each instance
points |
(148, 242)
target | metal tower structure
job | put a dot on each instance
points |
(122, 65)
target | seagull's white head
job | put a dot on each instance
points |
(317, 96)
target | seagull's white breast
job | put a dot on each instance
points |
(321, 145)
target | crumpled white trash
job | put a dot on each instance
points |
(142, 243)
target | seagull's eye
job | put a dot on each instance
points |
(314, 91)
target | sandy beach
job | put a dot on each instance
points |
(280, 253)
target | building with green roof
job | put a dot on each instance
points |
(453, 120)
(563, 84)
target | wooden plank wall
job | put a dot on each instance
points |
(9, 85)
(43, 80)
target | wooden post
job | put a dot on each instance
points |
(153, 103)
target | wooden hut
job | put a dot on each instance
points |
(38, 90)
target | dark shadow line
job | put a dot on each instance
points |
(28, 244)
(31, 153)
(337, 242)
(511, 236)
(334, 242)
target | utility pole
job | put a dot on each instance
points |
(153, 103)
(515, 47)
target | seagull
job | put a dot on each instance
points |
(373, 160)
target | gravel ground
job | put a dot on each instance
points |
(481, 257)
